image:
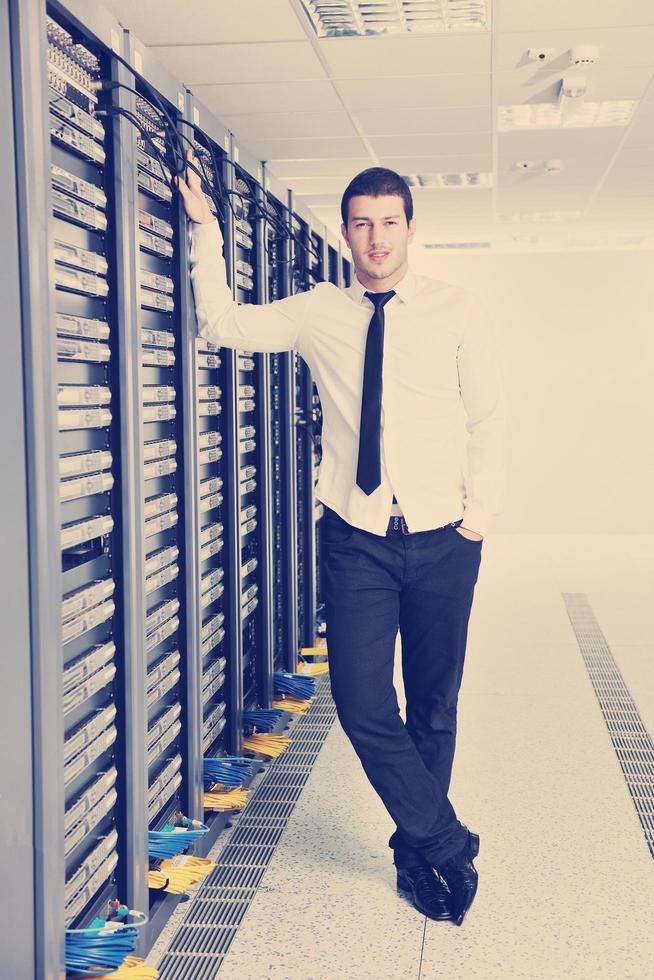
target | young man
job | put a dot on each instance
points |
(394, 357)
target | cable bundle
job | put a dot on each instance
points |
(319, 650)
(292, 704)
(297, 685)
(175, 160)
(171, 840)
(266, 744)
(133, 968)
(176, 875)
(230, 770)
(103, 945)
(233, 799)
(263, 719)
(313, 670)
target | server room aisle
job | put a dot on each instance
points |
(565, 872)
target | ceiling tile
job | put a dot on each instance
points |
(216, 63)
(424, 91)
(442, 119)
(361, 57)
(320, 185)
(528, 85)
(447, 163)
(345, 167)
(310, 96)
(304, 149)
(445, 144)
(564, 143)
(284, 125)
(207, 22)
(516, 15)
(619, 47)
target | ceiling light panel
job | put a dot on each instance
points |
(548, 115)
(357, 18)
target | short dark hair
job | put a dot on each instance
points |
(375, 182)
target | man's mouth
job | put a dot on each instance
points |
(377, 256)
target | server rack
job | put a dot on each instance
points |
(216, 455)
(87, 272)
(304, 387)
(164, 466)
(346, 271)
(159, 508)
(253, 381)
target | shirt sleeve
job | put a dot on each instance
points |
(271, 327)
(484, 399)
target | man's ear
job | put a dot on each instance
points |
(344, 234)
(412, 229)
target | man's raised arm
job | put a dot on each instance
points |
(272, 327)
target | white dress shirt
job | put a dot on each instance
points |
(438, 358)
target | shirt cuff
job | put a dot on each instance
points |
(206, 231)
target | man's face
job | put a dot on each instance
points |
(378, 236)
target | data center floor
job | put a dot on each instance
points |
(565, 874)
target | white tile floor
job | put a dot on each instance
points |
(566, 882)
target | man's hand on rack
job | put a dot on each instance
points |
(195, 203)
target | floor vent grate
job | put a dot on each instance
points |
(214, 913)
(631, 741)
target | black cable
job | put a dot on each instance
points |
(173, 138)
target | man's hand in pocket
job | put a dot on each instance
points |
(471, 535)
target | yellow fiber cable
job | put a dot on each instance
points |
(313, 669)
(176, 885)
(133, 968)
(315, 651)
(267, 743)
(156, 879)
(293, 704)
(218, 799)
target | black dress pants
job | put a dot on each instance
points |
(423, 584)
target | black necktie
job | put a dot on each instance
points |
(369, 465)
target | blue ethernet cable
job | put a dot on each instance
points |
(102, 944)
(300, 686)
(229, 770)
(263, 719)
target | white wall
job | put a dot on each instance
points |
(574, 334)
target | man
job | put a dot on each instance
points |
(394, 357)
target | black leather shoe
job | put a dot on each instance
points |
(461, 877)
(429, 895)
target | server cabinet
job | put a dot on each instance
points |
(253, 402)
(346, 271)
(283, 429)
(302, 278)
(87, 273)
(332, 264)
(217, 531)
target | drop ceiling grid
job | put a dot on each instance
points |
(420, 104)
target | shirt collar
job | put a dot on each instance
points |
(405, 288)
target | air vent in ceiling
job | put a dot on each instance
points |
(458, 245)
(450, 180)
(352, 18)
